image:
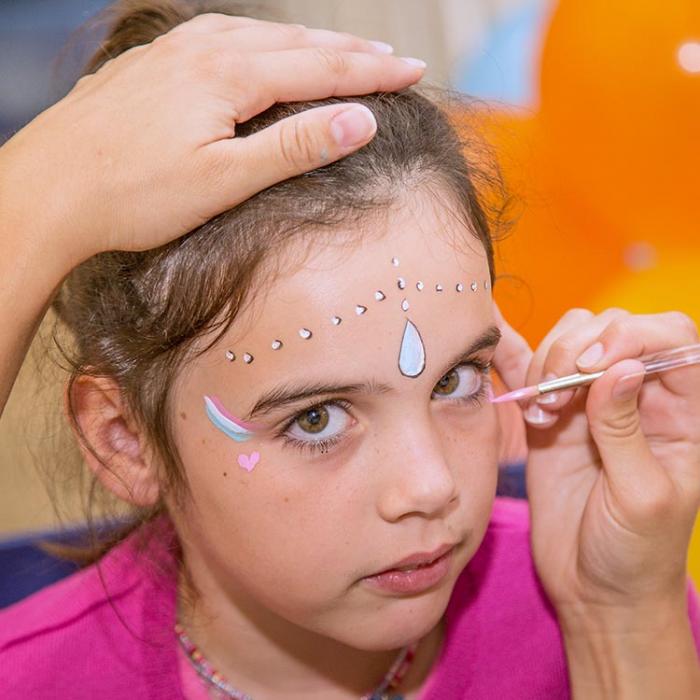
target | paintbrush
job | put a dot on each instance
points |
(656, 362)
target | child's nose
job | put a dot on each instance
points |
(416, 477)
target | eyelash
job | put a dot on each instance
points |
(318, 446)
(325, 446)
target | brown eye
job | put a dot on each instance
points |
(461, 382)
(448, 384)
(314, 420)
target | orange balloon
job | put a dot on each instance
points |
(620, 113)
(555, 256)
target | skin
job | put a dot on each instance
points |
(413, 471)
(612, 476)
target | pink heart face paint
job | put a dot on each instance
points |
(248, 462)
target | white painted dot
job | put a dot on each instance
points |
(276, 344)
(305, 333)
(401, 283)
(379, 295)
(405, 305)
(230, 355)
(689, 56)
(336, 320)
(419, 286)
(395, 262)
(247, 358)
(359, 309)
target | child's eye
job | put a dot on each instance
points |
(319, 424)
(464, 382)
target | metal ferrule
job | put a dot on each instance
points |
(570, 382)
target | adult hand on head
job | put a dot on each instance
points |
(613, 479)
(143, 150)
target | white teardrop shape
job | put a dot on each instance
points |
(412, 353)
(405, 305)
(460, 287)
(248, 358)
(419, 286)
(401, 282)
(276, 344)
(305, 333)
(379, 295)
(359, 309)
(474, 286)
(230, 355)
(336, 320)
(395, 262)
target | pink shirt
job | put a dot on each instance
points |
(70, 641)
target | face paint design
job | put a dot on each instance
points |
(412, 352)
(412, 355)
(248, 462)
(225, 422)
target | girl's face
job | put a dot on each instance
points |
(359, 465)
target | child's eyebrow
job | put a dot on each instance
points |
(284, 395)
(486, 341)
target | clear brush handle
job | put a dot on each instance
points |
(669, 359)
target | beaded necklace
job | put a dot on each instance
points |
(204, 669)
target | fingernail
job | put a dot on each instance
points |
(353, 125)
(591, 356)
(414, 62)
(551, 397)
(382, 46)
(626, 387)
(535, 415)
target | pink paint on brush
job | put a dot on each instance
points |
(527, 392)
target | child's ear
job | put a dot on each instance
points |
(125, 465)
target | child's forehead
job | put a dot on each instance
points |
(399, 257)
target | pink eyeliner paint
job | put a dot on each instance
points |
(654, 363)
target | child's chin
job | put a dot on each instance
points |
(409, 620)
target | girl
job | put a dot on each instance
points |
(294, 398)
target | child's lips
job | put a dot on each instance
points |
(414, 577)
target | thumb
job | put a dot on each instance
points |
(296, 145)
(615, 425)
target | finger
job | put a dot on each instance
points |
(292, 146)
(637, 481)
(281, 37)
(309, 74)
(211, 22)
(636, 336)
(513, 354)
(535, 413)
(583, 329)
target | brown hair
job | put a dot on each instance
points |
(135, 316)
